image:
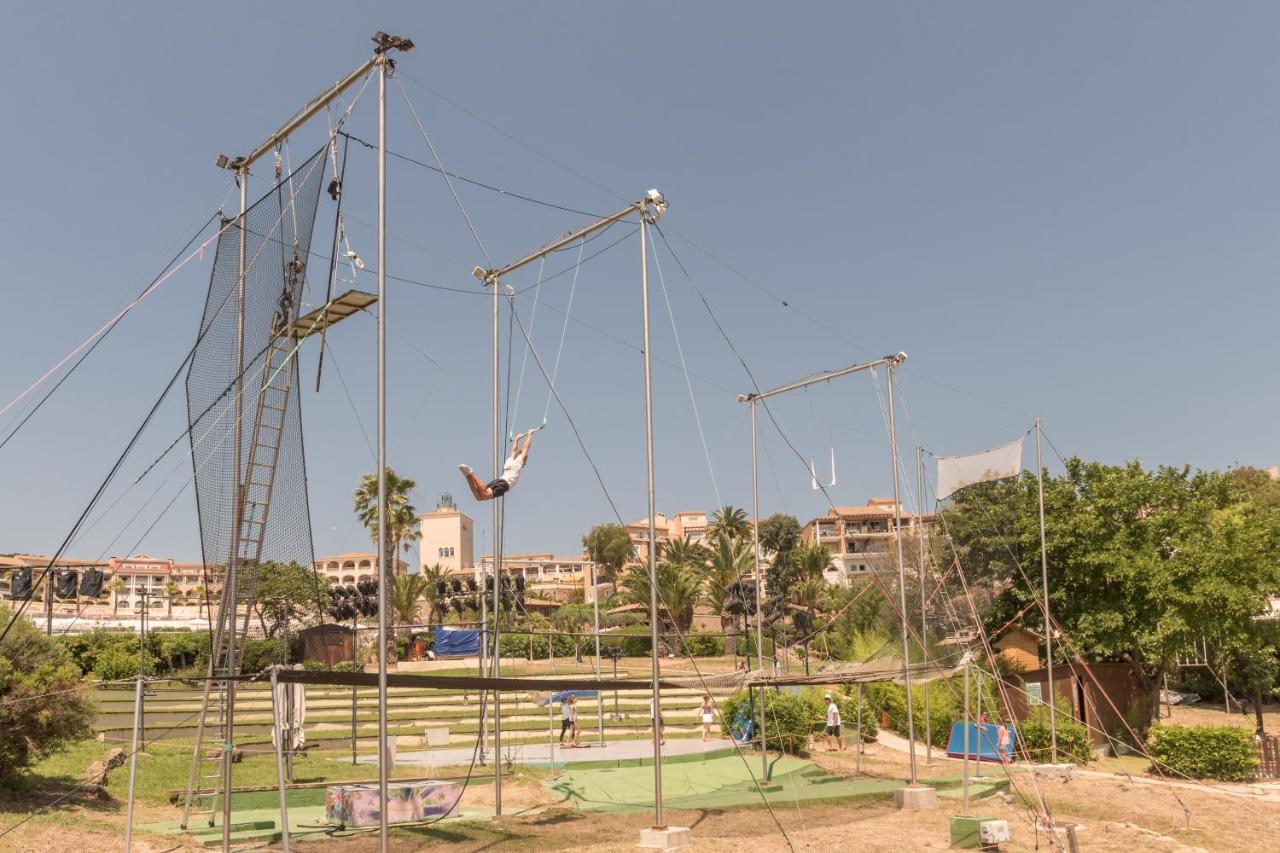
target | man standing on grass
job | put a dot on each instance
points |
(833, 725)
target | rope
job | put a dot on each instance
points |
(443, 173)
(702, 437)
(568, 311)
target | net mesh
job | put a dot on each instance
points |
(251, 494)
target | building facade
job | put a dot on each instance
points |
(861, 538)
(448, 537)
(352, 567)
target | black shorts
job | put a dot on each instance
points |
(833, 731)
(499, 487)
(565, 725)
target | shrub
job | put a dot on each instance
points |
(1204, 752)
(789, 719)
(535, 646)
(315, 666)
(1036, 737)
(344, 666)
(703, 645)
(260, 654)
(120, 661)
(41, 708)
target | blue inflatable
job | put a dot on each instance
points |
(456, 642)
(984, 742)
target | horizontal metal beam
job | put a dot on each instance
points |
(825, 376)
(490, 276)
(316, 104)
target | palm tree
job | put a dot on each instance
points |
(402, 516)
(730, 521)
(406, 593)
(811, 560)
(431, 575)
(200, 593)
(171, 591)
(115, 586)
(730, 560)
(685, 552)
(679, 588)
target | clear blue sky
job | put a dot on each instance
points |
(1059, 211)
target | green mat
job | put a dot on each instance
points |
(715, 783)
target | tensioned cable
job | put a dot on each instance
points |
(568, 312)
(1092, 676)
(889, 598)
(784, 303)
(102, 337)
(145, 421)
(533, 319)
(651, 570)
(472, 181)
(443, 173)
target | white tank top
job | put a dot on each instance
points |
(511, 469)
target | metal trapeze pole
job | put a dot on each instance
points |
(383, 575)
(752, 399)
(759, 582)
(497, 559)
(902, 572)
(1048, 622)
(653, 543)
(924, 622)
(233, 555)
(652, 206)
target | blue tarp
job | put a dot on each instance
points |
(561, 695)
(456, 642)
(984, 739)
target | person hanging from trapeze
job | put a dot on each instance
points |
(510, 470)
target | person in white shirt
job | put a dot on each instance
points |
(510, 470)
(569, 720)
(833, 725)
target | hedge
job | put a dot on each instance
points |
(703, 645)
(1036, 738)
(1224, 753)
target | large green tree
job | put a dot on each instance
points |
(730, 560)
(1142, 563)
(286, 593)
(780, 534)
(609, 546)
(402, 516)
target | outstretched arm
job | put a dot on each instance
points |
(528, 442)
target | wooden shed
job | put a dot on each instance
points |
(328, 643)
(1100, 695)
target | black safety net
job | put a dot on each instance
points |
(251, 488)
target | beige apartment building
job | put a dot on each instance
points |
(352, 567)
(861, 538)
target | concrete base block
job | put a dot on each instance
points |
(1057, 772)
(916, 797)
(665, 838)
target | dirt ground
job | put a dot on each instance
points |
(1116, 816)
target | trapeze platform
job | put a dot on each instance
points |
(340, 308)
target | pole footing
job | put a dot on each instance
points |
(666, 838)
(915, 798)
